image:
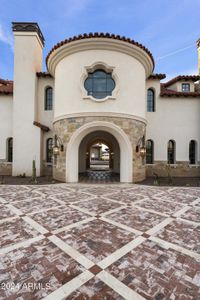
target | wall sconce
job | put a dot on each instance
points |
(140, 148)
(142, 152)
(58, 145)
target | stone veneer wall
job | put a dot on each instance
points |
(5, 168)
(180, 169)
(46, 169)
(134, 129)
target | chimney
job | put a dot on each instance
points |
(28, 46)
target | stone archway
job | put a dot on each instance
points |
(112, 161)
(72, 153)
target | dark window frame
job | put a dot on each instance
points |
(171, 152)
(192, 152)
(185, 87)
(10, 149)
(150, 100)
(49, 150)
(48, 102)
(149, 152)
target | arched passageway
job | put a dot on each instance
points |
(85, 136)
(99, 155)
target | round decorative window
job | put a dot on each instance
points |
(99, 84)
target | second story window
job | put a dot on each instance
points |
(48, 105)
(185, 87)
(150, 100)
(99, 84)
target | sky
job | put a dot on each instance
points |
(168, 28)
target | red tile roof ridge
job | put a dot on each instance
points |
(100, 35)
(165, 92)
(182, 77)
(5, 81)
(157, 76)
(43, 74)
(6, 86)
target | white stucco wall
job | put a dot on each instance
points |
(44, 117)
(26, 136)
(131, 97)
(6, 103)
(175, 119)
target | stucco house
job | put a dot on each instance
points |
(98, 88)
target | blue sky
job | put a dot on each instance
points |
(168, 28)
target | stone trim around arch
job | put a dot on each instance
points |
(126, 131)
(117, 132)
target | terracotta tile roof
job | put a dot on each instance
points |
(43, 127)
(198, 43)
(182, 77)
(165, 92)
(43, 74)
(100, 35)
(6, 87)
(157, 76)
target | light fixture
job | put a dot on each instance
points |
(142, 152)
(140, 148)
(58, 145)
(55, 150)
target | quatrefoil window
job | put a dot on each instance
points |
(99, 84)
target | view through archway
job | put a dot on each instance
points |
(99, 157)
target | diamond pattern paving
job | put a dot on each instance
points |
(95, 290)
(182, 233)
(72, 197)
(136, 218)
(42, 264)
(177, 197)
(18, 196)
(14, 231)
(99, 242)
(157, 273)
(98, 205)
(96, 239)
(59, 217)
(125, 197)
(30, 206)
(6, 212)
(161, 206)
(193, 214)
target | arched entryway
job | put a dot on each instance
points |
(99, 156)
(73, 158)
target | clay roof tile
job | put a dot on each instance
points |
(100, 35)
(6, 87)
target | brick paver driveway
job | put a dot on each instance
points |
(99, 242)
